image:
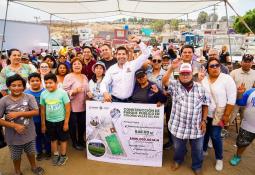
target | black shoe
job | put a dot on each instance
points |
(78, 147)
(39, 157)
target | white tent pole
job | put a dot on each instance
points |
(49, 45)
(5, 20)
(229, 41)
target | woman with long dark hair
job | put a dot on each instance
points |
(61, 71)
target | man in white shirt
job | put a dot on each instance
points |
(244, 75)
(119, 78)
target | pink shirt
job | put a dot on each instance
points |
(78, 101)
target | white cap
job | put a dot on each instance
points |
(185, 68)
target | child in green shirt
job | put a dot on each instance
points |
(55, 114)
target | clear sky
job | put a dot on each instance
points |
(21, 13)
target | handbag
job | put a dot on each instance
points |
(2, 142)
(219, 111)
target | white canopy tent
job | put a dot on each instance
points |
(78, 10)
(75, 10)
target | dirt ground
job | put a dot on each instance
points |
(78, 164)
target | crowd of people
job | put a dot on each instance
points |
(44, 98)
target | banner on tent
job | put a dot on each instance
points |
(126, 133)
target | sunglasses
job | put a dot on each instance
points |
(214, 66)
(156, 61)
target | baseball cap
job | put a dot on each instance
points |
(185, 68)
(247, 57)
(98, 63)
(165, 57)
(139, 73)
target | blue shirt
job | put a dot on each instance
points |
(68, 64)
(37, 118)
(248, 100)
(157, 80)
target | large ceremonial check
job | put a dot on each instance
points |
(126, 133)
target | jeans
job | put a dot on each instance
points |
(41, 140)
(167, 110)
(215, 133)
(77, 122)
(196, 151)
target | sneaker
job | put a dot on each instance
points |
(167, 146)
(224, 133)
(219, 165)
(39, 157)
(235, 160)
(205, 153)
(62, 160)
(210, 145)
(38, 171)
(55, 159)
(47, 156)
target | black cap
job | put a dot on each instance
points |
(247, 57)
(165, 57)
(139, 73)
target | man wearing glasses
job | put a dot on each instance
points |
(155, 72)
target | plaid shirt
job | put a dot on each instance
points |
(186, 114)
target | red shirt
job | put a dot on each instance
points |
(87, 69)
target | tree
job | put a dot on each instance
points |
(202, 17)
(157, 25)
(135, 20)
(174, 23)
(140, 21)
(232, 18)
(249, 18)
(213, 17)
(130, 19)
